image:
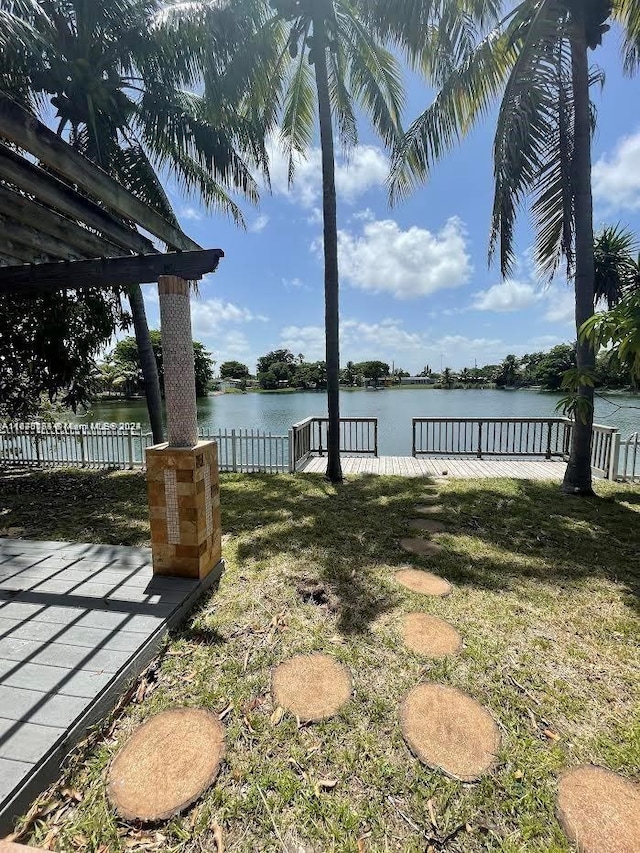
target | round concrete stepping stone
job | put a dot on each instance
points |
(449, 731)
(420, 547)
(428, 525)
(429, 636)
(424, 582)
(166, 764)
(599, 810)
(312, 687)
(430, 509)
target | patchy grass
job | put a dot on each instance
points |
(545, 597)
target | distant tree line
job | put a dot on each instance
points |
(121, 371)
(282, 369)
(538, 369)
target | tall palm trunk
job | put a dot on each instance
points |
(147, 362)
(330, 223)
(577, 478)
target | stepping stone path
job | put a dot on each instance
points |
(429, 636)
(599, 810)
(449, 731)
(428, 525)
(423, 582)
(175, 756)
(166, 764)
(420, 547)
(430, 509)
(312, 687)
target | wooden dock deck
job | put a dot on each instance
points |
(458, 468)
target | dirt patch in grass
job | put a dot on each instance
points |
(544, 593)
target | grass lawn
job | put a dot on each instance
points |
(545, 597)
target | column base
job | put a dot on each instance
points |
(184, 509)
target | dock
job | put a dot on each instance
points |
(468, 469)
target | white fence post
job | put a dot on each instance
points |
(83, 450)
(234, 458)
(614, 458)
(292, 459)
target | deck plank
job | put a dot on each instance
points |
(69, 646)
(457, 468)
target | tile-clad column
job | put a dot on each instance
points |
(177, 356)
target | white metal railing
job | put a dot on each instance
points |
(357, 436)
(525, 437)
(123, 446)
(481, 437)
(605, 444)
(628, 467)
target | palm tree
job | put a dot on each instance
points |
(534, 61)
(117, 76)
(319, 58)
(616, 264)
(447, 377)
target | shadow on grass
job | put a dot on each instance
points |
(534, 532)
(502, 532)
(77, 506)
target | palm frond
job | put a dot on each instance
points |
(465, 97)
(627, 13)
(527, 121)
(374, 76)
(299, 108)
(341, 97)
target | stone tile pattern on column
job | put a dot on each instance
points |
(199, 548)
(173, 512)
(177, 354)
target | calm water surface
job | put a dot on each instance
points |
(394, 409)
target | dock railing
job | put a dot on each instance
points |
(629, 459)
(310, 436)
(549, 438)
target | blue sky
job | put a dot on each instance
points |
(415, 285)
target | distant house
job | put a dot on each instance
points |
(417, 380)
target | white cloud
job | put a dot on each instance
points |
(308, 340)
(215, 323)
(294, 284)
(208, 315)
(561, 304)
(616, 178)
(364, 168)
(507, 296)
(259, 224)
(390, 341)
(191, 213)
(385, 259)
(557, 301)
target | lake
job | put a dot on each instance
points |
(394, 409)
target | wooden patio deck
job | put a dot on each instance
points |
(459, 468)
(78, 623)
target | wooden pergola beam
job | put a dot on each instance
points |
(41, 246)
(32, 279)
(46, 221)
(30, 134)
(44, 186)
